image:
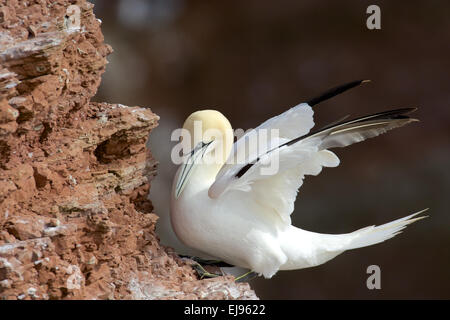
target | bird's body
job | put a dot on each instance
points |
(238, 214)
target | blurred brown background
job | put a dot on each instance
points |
(252, 60)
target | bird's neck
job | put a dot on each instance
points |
(212, 162)
(209, 171)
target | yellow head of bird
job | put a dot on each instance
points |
(206, 126)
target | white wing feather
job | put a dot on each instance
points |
(277, 190)
(292, 123)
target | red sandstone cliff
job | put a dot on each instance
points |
(75, 222)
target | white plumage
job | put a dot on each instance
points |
(239, 214)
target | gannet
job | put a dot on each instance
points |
(237, 212)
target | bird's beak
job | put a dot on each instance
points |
(188, 165)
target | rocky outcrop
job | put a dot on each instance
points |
(75, 222)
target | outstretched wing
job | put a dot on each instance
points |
(295, 122)
(257, 142)
(293, 158)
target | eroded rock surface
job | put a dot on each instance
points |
(75, 222)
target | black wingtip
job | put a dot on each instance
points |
(335, 91)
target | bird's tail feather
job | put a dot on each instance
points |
(375, 234)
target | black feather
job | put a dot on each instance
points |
(334, 92)
(245, 168)
(385, 115)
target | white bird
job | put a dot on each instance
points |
(240, 214)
